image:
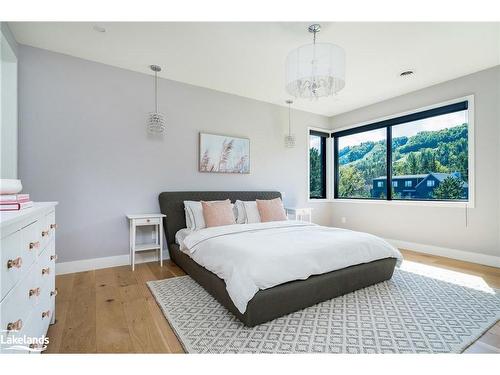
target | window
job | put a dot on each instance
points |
(361, 161)
(429, 145)
(317, 164)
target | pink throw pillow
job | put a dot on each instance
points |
(271, 210)
(218, 213)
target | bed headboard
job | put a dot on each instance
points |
(172, 205)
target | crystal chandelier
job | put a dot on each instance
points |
(290, 138)
(315, 70)
(156, 119)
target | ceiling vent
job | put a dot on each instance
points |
(407, 73)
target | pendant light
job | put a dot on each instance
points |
(290, 138)
(156, 119)
(315, 70)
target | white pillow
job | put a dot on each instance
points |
(194, 214)
(189, 223)
(240, 212)
(251, 212)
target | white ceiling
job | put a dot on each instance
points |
(247, 59)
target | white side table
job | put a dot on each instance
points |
(142, 220)
(299, 213)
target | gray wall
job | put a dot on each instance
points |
(8, 104)
(7, 33)
(83, 143)
(440, 226)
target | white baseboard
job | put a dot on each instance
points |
(105, 262)
(122, 260)
(487, 260)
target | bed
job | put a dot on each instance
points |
(274, 302)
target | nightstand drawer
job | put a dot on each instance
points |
(152, 221)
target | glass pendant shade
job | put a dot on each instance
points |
(290, 141)
(289, 138)
(156, 120)
(315, 70)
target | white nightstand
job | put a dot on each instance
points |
(141, 220)
(299, 213)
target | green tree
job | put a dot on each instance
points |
(315, 186)
(449, 188)
(427, 161)
(351, 183)
(412, 164)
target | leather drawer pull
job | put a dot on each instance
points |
(34, 292)
(54, 293)
(34, 245)
(45, 271)
(15, 263)
(45, 314)
(53, 226)
(53, 257)
(15, 326)
(45, 233)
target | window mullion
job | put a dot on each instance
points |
(336, 167)
(389, 163)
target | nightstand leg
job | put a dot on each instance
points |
(130, 240)
(133, 247)
(160, 236)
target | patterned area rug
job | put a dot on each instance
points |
(411, 313)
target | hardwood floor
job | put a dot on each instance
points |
(112, 310)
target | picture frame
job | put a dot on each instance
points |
(223, 154)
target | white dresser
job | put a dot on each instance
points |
(27, 277)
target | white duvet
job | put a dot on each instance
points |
(250, 257)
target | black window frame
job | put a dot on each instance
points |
(323, 145)
(388, 124)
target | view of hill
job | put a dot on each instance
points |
(443, 151)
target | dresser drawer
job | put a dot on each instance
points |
(44, 232)
(10, 249)
(152, 221)
(12, 342)
(35, 290)
(46, 265)
(27, 276)
(31, 338)
(31, 240)
(50, 221)
(43, 315)
(18, 254)
(35, 334)
(16, 308)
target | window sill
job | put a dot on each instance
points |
(319, 200)
(469, 204)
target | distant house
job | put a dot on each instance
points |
(417, 186)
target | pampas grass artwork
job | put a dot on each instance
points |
(224, 154)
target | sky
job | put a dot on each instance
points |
(315, 143)
(408, 129)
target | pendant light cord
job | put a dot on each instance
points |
(289, 121)
(156, 91)
(313, 68)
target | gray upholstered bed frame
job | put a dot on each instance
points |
(277, 301)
